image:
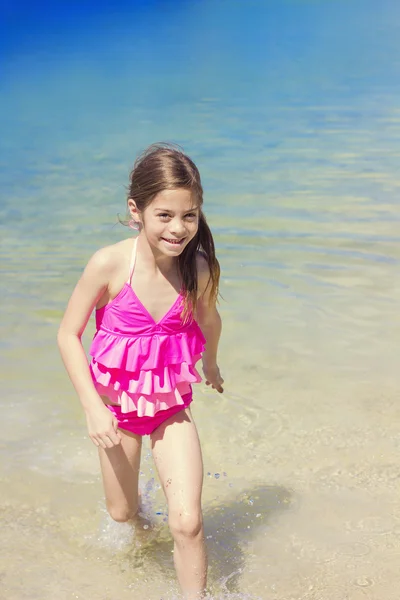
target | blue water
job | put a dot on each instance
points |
(290, 109)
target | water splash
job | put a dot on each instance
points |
(215, 596)
(223, 595)
(114, 536)
(147, 493)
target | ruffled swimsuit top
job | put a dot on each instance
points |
(141, 364)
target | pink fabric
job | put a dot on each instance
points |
(146, 425)
(141, 365)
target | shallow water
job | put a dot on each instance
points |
(290, 111)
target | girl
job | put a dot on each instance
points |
(155, 299)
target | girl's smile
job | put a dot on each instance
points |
(173, 242)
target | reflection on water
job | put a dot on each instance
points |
(295, 129)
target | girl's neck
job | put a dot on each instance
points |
(153, 260)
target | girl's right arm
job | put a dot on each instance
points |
(102, 425)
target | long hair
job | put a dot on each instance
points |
(166, 167)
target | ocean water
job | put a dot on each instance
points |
(290, 109)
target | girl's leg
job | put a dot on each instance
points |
(177, 455)
(120, 471)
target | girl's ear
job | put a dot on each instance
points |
(133, 211)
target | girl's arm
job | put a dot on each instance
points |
(210, 323)
(89, 289)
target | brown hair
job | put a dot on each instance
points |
(166, 167)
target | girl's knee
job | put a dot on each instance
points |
(121, 513)
(187, 525)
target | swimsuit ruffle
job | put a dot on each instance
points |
(147, 373)
(119, 351)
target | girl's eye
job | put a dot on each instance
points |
(164, 216)
(191, 216)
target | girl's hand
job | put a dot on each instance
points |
(213, 377)
(103, 427)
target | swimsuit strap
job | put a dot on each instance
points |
(133, 261)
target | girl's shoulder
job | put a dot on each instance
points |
(203, 271)
(111, 259)
(202, 264)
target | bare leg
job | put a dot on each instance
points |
(120, 471)
(177, 455)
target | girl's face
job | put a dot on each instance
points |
(170, 221)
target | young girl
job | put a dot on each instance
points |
(155, 298)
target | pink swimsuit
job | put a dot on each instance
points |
(144, 367)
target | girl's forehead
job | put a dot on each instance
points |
(179, 199)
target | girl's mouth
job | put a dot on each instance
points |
(173, 242)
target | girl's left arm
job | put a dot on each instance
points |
(210, 323)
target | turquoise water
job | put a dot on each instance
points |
(290, 109)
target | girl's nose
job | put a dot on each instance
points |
(177, 227)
